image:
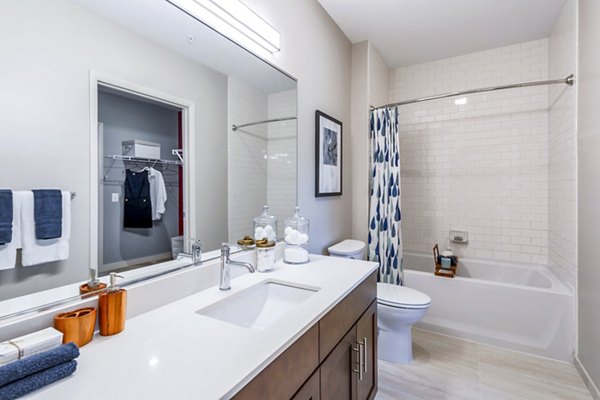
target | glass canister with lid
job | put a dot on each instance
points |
(265, 226)
(296, 239)
(265, 255)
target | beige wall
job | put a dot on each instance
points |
(370, 81)
(588, 209)
(316, 52)
(360, 140)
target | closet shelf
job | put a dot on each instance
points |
(146, 160)
(152, 161)
(178, 153)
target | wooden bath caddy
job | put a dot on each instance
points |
(439, 271)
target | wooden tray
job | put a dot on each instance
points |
(439, 271)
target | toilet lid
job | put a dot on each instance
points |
(347, 247)
(401, 296)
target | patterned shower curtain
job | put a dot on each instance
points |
(385, 238)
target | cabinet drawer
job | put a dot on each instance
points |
(334, 325)
(284, 376)
(311, 390)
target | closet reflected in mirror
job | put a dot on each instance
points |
(140, 145)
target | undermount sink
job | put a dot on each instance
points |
(259, 306)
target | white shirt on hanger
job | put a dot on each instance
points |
(158, 193)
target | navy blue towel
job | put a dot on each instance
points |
(37, 381)
(47, 213)
(6, 216)
(16, 370)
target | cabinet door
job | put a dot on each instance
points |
(338, 381)
(366, 334)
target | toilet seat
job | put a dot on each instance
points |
(401, 297)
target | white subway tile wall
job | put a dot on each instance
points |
(281, 187)
(261, 158)
(478, 163)
(247, 157)
(562, 146)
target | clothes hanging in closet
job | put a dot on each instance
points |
(158, 194)
(138, 205)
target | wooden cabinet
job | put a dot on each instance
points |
(335, 360)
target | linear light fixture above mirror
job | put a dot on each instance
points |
(235, 20)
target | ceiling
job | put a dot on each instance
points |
(408, 32)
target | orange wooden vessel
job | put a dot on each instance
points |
(77, 326)
(85, 289)
(112, 308)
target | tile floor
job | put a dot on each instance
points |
(446, 368)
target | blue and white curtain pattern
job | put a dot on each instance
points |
(385, 234)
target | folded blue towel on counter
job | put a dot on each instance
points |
(47, 213)
(16, 370)
(6, 216)
(37, 381)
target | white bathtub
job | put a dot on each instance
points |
(520, 307)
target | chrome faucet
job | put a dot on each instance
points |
(224, 283)
(197, 252)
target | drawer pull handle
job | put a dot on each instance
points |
(365, 356)
(358, 370)
(361, 359)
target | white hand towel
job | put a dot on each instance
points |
(8, 252)
(43, 251)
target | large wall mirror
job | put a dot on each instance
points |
(117, 102)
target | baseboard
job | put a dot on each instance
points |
(586, 379)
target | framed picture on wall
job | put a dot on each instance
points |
(328, 156)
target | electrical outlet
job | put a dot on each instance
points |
(115, 197)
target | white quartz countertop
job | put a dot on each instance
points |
(172, 352)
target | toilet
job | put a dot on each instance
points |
(398, 308)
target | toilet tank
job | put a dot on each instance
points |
(349, 248)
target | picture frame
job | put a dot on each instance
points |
(328, 155)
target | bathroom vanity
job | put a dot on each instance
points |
(299, 332)
(337, 357)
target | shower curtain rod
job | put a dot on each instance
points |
(236, 127)
(569, 80)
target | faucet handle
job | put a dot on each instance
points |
(225, 248)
